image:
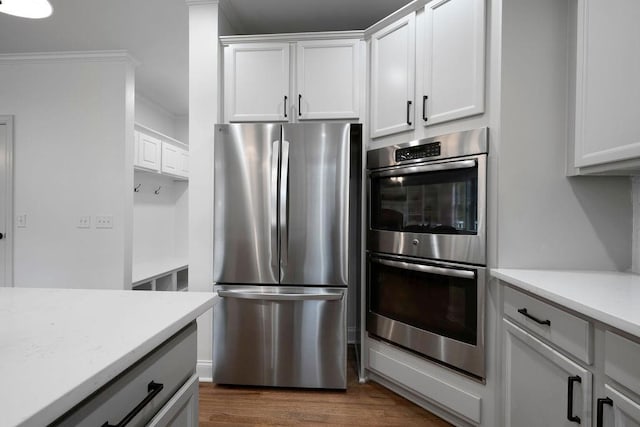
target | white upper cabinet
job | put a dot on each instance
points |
(454, 52)
(256, 85)
(393, 78)
(147, 151)
(174, 160)
(327, 79)
(607, 85)
(158, 153)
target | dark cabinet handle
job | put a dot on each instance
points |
(1, 236)
(152, 389)
(524, 312)
(600, 405)
(424, 108)
(299, 105)
(570, 415)
(408, 111)
(285, 106)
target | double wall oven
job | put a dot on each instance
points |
(426, 247)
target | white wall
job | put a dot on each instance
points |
(159, 220)
(155, 117)
(635, 253)
(546, 220)
(73, 157)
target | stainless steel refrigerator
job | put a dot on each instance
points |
(287, 210)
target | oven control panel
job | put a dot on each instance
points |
(418, 152)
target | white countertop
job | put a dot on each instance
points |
(57, 346)
(612, 298)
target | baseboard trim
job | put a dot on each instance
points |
(204, 370)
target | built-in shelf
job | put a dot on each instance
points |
(161, 275)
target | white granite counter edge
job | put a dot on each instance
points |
(607, 297)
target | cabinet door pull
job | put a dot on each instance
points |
(525, 313)
(424, 108)
(285, 106)
(570, 416)
(408, 111)
(153, 389)
(299, 105)
(600, 408)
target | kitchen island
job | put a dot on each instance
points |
(60, 346)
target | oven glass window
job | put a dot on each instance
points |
(429, 202)
(444, 305)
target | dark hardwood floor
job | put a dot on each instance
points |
(360, 405)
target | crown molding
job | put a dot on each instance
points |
(291, 37)
(75, 56)
(414, 6)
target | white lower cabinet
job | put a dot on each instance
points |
(543, 387)
(182, 409)
(161, 389)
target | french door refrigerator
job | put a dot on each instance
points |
(287, 210)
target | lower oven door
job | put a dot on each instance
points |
(280, 336)
(432, 308)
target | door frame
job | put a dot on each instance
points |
(7, 120)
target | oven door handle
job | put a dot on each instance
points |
(407, 170)
(464, 274)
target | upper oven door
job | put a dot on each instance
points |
(431, 210)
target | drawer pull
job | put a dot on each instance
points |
(525, 313)
(152, 389)
(570, 416)
(601, 403)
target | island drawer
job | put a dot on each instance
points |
(569, 332)
(141, 391)
(621, 361)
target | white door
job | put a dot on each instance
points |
(6, 201)
(538, 381)
(256, 82)
(454, 60)
(328, 79)
(393, 78)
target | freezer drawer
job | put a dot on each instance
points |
(280, 336)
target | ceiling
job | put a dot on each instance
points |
(155, 32)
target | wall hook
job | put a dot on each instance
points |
(137, 188)
(158, 190)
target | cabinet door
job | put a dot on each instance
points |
(454, 60)
(328, 79)
(541, 384)
(148, 155)
(393, 78)
(256, 82)
(607, 84)
(184, 163)
(616, 409)
(172, 160)
(182, 409)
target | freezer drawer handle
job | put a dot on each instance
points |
(152, 389)
(271, 296)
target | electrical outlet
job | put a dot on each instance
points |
(104, 221)
(84, 221)
(21, 221)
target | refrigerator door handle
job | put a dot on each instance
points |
(274, 296)
(273, 206)
(284, 206)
